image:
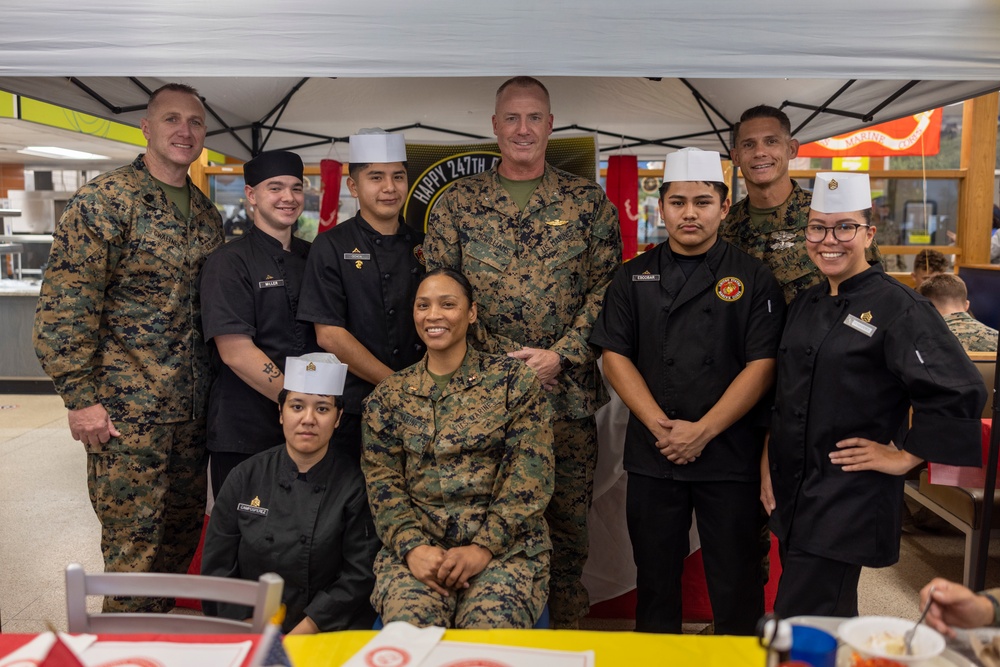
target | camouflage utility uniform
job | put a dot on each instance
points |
(780, 242)
(971, 333)
(471, 464)
(539, 277)
(118, 324)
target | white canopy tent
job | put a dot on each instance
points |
(645, 74)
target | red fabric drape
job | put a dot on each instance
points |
(623, 191)
(330, 172)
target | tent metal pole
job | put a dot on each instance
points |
(889, 100)
(283, 105)
(702, 103)
(824, 106)
(437, 129)
(107, 105)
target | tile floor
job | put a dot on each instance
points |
(46, 521)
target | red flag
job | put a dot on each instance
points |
(330, 173)
(623, 191)
(919, 134)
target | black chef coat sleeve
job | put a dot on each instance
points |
(614, 329)
(323, 299)
(767, 317)
(335, 606)
(946, 391)
(220, 555)
(227, 299)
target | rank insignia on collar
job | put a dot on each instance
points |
(783, 239)
(866, 316)
(255, 502)
(310, 366)
(472, 378)
(833, 184)
(729, 289)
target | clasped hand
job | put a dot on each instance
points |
(680, 441)
(449, 570)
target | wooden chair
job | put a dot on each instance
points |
(960, 506)
(264, 595)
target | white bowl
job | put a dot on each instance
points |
(859, 633)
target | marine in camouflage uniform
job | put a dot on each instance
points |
(469, 464)
(971, 333)
(118, 324)
(539, 277)
(779, 240)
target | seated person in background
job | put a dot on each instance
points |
(956, 606)
(928, 263)
(458, 461)
(948, 294)
(995, 237)
(299, 509)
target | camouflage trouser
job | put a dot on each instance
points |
(575, 443)
(148, 490)
(507, 594)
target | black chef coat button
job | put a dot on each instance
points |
(809, 350)
(670, 362)
(303, 539)
(799, 414)
(386, 276)
(392, 311)
(413, 271)
(408, 237)
(672, 414)
(708, 361)
(774, 467)
(269, 538)
(395, 352)
(782, 348)
(378, 241)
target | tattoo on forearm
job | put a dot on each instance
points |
(271, 371)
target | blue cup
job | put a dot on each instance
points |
(813, 646)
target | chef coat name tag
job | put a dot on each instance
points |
(253, 507)
(365, 256)
(263, 284)
(646, 278)
(860, 325)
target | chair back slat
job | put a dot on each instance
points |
(263, 595)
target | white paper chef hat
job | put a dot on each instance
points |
(315, 373)
(841, 192)
(375, 145)
(693, 164)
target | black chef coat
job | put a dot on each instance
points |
(250, 286)
(689, 338)
(316, 533)
(851, 365)
(365, 282)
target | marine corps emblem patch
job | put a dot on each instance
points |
(418, 252)
(729, 289)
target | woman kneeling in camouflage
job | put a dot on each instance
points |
(458, 463)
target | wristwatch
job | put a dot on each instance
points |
(996, 608)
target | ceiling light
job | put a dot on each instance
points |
(60, 153)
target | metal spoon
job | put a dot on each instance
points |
(908, 637)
